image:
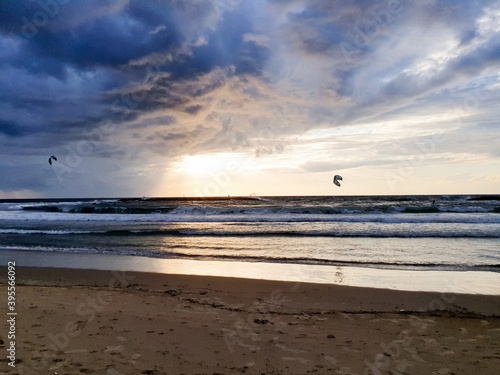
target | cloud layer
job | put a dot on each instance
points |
(331, 85)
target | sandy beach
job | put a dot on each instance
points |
(100, 322)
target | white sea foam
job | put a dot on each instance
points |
(45, 231)
(374, 231)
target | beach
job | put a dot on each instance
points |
(80, 321)
(255, 285)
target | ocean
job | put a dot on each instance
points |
(438, 233)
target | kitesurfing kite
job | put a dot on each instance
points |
(52, 158)
(336, 179)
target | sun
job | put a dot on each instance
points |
(205, 164)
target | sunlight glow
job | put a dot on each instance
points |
(206, 164)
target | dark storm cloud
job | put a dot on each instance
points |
(104, 43)
(117, 50)
(109, 41)
(137, 31)
(198, 76)
(10, 129)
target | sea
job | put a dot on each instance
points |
(438, 233)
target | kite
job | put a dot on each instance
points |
(52, 158)
(336, 180)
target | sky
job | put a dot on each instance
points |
(240, 97)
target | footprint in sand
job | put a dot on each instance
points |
(114, 349)
(442, 371)
(330, 359)
(301, 360)
(285, 348)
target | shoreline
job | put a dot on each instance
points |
(111, 322)
(462, 282)
(352, 299)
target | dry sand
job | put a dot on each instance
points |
(98, 322)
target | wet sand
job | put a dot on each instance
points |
(100, 322)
